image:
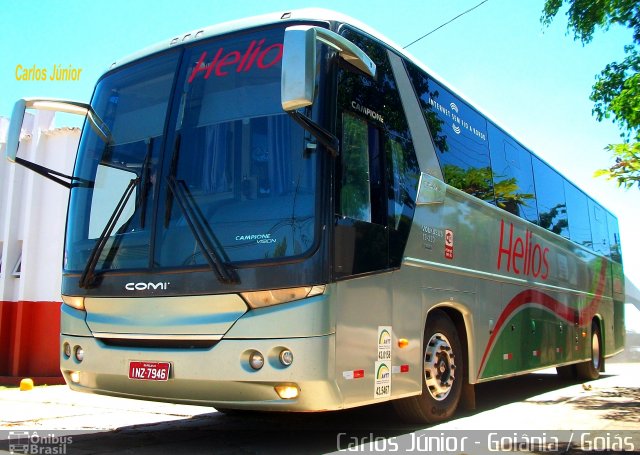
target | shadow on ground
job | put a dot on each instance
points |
(621, 404)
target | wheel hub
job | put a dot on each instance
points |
(439, 366)
(595, 351)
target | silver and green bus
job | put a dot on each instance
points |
(290, 213)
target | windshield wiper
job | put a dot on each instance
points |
(73, 181)
(145, 183)
(88, 275)
(204, 237)
(327, 139)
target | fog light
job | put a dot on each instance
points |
(287, 391)
(256, 360)
(286, 357)
(79, 353)
(66, 348)
(75, 377)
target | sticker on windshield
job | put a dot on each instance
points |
(259, 238)
(256, 55)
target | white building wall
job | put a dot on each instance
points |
(33, 211)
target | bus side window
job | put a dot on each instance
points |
(355, 192)
(512, 176)
(552, 205)
(578, 213)
(599, 234)
(460, 136)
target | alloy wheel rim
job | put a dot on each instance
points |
(439, 366)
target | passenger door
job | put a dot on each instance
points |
(377, 170)
(361, 234)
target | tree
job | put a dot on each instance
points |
(616, 93)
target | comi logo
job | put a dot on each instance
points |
(385, 338)
(162, 286)
(383, 372)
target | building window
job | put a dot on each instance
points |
(18, 268)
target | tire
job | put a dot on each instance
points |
(442, 377)
(590, 370)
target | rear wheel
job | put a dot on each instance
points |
(590, 370)
(442, 374)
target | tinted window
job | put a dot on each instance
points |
(238, 158)
(578, 211)
(552, 206)
(512, 176)
(377, 103)
(133, 103)
(599, 234)
(459, 134)
(614, 238)
(379, 167)
(355, 191)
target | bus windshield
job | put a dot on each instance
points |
(211, 126)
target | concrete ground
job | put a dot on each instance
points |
(532, 404)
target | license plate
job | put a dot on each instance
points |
(149, 371)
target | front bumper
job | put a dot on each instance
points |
(217, 376)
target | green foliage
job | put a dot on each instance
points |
(480, 183)
(508, 196)
(555, 219)
(584, 16)
(626, 171)
(475, 181)
(616, 93)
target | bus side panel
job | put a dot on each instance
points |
(536, 293)
(363, 306)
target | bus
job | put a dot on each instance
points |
(291, 213)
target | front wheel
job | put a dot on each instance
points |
(442, 374)
(590, 369)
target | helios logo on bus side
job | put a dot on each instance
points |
(523, 256)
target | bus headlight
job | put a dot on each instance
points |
(259, 299)
(74, 302)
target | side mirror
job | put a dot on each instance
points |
(49, 104)
(299, 62)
